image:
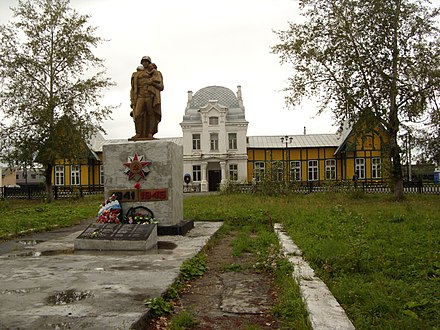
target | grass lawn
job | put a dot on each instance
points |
(20, 216)
(380, 258)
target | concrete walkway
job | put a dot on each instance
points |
(45, 284)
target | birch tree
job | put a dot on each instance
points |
(51, 85)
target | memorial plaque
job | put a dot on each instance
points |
(112, 231)
(117, 237)
(153, 195)
(140, 195)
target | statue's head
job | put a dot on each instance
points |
(145, 58)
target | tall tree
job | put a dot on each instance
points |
(377, 60)
(51, 84)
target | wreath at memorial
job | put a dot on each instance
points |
(110, 211)
(140, 215)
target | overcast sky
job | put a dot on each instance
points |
(198, 43)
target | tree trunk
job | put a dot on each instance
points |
(396, 167)
(48, 182)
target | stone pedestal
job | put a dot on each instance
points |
(117, 237)
(149, 174)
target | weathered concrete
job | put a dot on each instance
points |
(45, 284)
(324, 310)
(164, 173)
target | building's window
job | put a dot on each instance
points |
(295, 170)
(213, 121)
(376, 170)
(196, 141)
(312, 170)
(75, 177)
(259, 168)
(59, 175)
(233, 172)
(17, 176)
(33, 176)
(214, 141)
(197, 173)
(101, 174)
(232, 140)
(277, 171)
(330, 169)
(359, 168)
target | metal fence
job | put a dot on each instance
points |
(39, 192)
(315, 186)
(191, 188)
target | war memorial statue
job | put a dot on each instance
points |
(143, 183)
(146, 85)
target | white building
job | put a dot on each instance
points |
(214, 137)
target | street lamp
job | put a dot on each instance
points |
(287, 140)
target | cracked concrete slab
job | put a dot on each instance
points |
(47, 285)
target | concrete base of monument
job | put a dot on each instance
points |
(182, 228)
(117, 237)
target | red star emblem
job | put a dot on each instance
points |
(136, 167)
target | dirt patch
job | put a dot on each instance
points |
(232, 294)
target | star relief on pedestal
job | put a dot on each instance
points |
(136, 167)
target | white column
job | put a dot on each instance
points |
(204, 182)
(223, 169)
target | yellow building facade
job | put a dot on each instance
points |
(299, 159)
(318, 158)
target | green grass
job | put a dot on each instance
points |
(183, 320)
(379, 257)
(21, 216)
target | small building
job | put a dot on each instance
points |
(30, 177)
(316, 158)
(87, 172)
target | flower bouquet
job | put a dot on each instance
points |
(110, 211)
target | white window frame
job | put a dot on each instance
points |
(359, 168)
(330, 169)
(295, 170)
(313, 170)
(75, 175)
(59, 175)
(233, 172)
(213, 121)
(101, 174)
(259, 171)
(196, 141)
(214, 141)
(277, 171)
(376, 168)
(197, 173)
(232, 138)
